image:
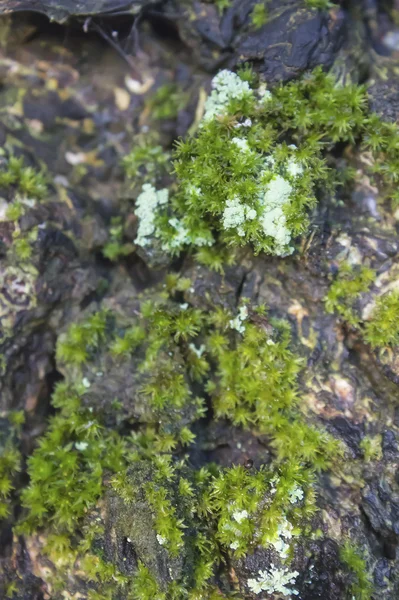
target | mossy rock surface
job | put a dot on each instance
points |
(197, 422)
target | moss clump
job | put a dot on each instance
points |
(320, 4)
(66, 469)
(23, 180)
(167, 101)
(254, 168)
(259, 15)
(116, 248)
(193, 519)
(147, 162)
(361, 587)
(345, 290)
(382, 328)
(242, 361)
(10, 461)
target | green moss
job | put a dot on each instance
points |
(320, 4)
(259, 15)
(222, 4)
(382, 328)
(361, 587)
(244, 362)
(15, 211)
(258, 160)
(25, 180)
(147, 161)
(116, 248)
(22, 249)
(167, 101)
(345, 290)
(66, 469)
(75, 346)
(10, 462)
(371, 447)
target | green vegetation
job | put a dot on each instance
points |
(167, 101)
(249, 175)
(116, 247)
(371, 447)
(25, 181)
(147, 162)
(66, 469)
(10, 461)
(244, 363)
(253, 170)
(382, 328)
(259, 15)
(320, 4)
(222, 4)
(361, 587)
(347, 287)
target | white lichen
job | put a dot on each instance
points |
(237, 322)
(161, 539)
(81, 446)
(198, 351)
(273, 219)
(241, 144)
(273, 581)
(240, 515)
(294, 168)
(235, 214)
(147, 204)
(296, 494)
(227, 86)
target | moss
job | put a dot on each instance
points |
(320, 4)
(382, 328)
(81, 339)
(147, 161)
(67, 467)
(167, 101)
(258, 160)
(259, 15)
(24, 180)
(10, 462)
(116, 248)
(345, 290)
(372, 447)
(222, 5)
(189, 519)
(361, 587)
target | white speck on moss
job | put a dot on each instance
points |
(263, 93)
(241, 144)
(146, 207)
(81, 446)
(237, 322)
(274, 580)
(296, 494)
(181, 235)
(227, 86)
(240, 515)
(234, 545)
(294, 168)
(86, 382)
(161, 540)
(198, 351)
